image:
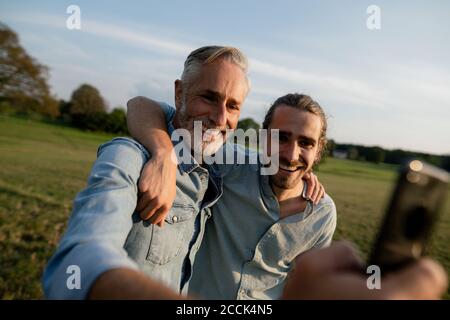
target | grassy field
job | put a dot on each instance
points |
(43, 166)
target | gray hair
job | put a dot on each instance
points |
(209, 54)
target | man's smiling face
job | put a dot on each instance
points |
(215, 98)
(299, 133)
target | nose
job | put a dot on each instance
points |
(292, 152)
(219, 115)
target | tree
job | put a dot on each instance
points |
(117, 121)
(375, 154)
(86, 100)
(329, 148)
(23, 81)
(353, 153)
(248, 123)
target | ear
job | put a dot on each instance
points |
(319, 154)
(178, 94)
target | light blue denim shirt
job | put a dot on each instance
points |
(248, 250)
(104, 231)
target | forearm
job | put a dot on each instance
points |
(100, 222)
(147, 124)
(126, 283)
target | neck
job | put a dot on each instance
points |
(176, 121)
(289, 200)
(176, 125)
(286, 194)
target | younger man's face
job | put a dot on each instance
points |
(299, 133)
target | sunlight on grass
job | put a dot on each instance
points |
(45, 165)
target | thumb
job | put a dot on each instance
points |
(340, 255)
(425, 279)
(307, 176)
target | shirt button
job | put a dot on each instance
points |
(175, 219)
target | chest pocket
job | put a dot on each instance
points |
(168, 241)
(273, 258)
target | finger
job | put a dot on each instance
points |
(149, 210)
(340, 255)
(161, 216)
(321, 194)
(143, 184)
(425, 279)
(155, 217)
(315, 197)
(143, 201)
(160, 224)
(311, 186)
(307, 176)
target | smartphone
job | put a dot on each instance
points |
(410, 216)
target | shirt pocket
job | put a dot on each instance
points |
(167, 242)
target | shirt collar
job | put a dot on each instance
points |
(184, 167)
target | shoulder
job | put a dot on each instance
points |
(124, 144)
(327, 203)
(326, 210)
(124, 153)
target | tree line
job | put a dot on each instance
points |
(374, 154)
(24, 90)
(377, 154)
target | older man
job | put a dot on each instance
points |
(106, 240)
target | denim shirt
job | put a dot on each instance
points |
(248, 250)
(104, 231)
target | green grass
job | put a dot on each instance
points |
(43, 166)
(361, 192)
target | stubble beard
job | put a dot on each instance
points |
(209, 142)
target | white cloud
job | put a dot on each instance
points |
(112, 31)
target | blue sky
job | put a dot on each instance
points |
(387, 87)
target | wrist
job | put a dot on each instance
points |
(164, 154)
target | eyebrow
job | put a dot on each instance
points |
(289, 134)
(218, 95)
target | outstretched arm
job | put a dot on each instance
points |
(92, 248)
(337, 273)
(157, 185)
(130, 284)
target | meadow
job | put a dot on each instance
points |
(44, 165)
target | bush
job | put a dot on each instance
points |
(6, 108)
(116, 122)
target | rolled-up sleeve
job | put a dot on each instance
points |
(100, 223)
(169, 113)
